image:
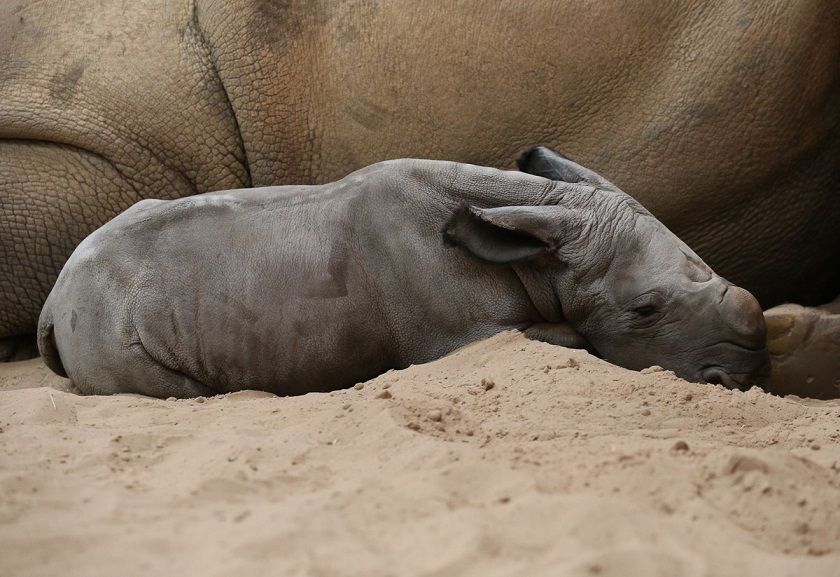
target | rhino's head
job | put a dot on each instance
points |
(634, 290)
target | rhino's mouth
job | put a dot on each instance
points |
(717, 375)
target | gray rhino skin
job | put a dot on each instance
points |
(312, 288)
(731, 108)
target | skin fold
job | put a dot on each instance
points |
(720, 118)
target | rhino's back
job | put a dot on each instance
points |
(233, 290)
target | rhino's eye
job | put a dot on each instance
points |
(645, 311)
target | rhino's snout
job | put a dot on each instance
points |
(742, 359)
(742, 314)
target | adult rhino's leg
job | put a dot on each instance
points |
(804, 345)
(51, 197)
(18, 348)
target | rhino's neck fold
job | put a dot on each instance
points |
(540, 292)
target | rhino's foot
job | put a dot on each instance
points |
(560, 334)
(18, 348)
(804, 348)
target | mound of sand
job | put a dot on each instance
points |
(508, 457)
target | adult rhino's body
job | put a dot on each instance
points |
(721, 118)
(306, 288)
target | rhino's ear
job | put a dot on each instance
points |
(548, 163)
(505, 235)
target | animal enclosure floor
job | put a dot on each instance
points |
(508, 457)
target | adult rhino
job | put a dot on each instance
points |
(721, 118)
(310, 288)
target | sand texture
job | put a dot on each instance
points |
(508, 457)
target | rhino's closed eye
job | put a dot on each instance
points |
(645, 311)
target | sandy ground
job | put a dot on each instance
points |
(509, 457)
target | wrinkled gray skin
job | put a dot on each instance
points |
(311, 288)
(732, 108)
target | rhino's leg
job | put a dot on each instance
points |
(804, 345)
(18, 348)
(103, 354)
(560, 334)
(114, 369)
(51, 197)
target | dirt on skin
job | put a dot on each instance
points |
(508, 457)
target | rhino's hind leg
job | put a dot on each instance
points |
(804, 348)
(163, 382)
(133, 370)
(18, 348)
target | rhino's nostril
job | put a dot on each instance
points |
(717, 376)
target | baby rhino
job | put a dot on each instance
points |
(295, 289)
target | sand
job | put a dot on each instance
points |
(508, 457)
